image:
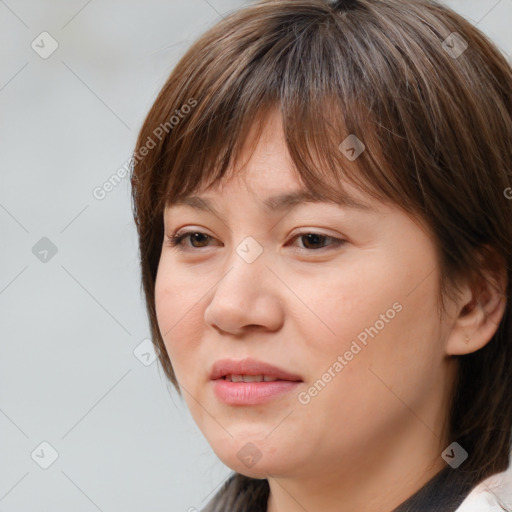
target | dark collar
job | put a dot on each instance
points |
(444, 492)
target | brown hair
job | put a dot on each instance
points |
(436, 122)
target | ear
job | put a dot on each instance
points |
(480, 308)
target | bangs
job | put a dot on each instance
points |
(330, 113)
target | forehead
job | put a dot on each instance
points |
(265, 168)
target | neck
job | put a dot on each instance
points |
(381, 480)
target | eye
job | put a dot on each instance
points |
(310, 240)
(197, 236)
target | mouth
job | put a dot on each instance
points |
(253, 378)
(250, 382)
(250, 370)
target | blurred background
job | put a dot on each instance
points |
(87, 419)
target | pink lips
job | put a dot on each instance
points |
(250, 393)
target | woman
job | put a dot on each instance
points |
(320, 191)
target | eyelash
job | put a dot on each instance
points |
(176, 239)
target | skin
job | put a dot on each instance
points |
(375, 432)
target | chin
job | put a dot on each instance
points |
(260, 470)
(255, 458)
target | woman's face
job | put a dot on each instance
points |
(354, 322)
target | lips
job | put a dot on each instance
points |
(251, 382)
(229, 369)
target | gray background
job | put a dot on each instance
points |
(74, 370)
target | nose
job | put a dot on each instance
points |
(248, 296)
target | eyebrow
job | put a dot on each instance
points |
(277, 203)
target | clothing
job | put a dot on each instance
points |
(489, 495)
(447, 491)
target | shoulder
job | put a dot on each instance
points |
(492, 495)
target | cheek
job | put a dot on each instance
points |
(388, 339)
(177, 302)
(347, 304)
(381, 315)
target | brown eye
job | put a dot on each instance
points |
(194, 236)
(315, 241)
(200, 238)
